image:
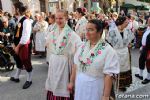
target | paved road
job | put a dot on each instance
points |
(14, 91)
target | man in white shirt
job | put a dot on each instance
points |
(22, 46)
(144, 57)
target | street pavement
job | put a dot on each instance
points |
(13, 91)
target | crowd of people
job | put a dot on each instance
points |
(86, 53)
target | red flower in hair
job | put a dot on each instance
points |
(83, 10)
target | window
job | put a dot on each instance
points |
(42, 6)
(0, 4)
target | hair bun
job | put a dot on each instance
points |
(105, 24)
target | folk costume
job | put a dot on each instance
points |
(40, 40)
(80, 27)
(92, 65)
(50, 28)
(23, 58)
(120, 42)
(61, 46)
(144, 59)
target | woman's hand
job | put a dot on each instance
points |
(105, 98)
(70, 87)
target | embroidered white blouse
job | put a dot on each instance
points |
(81, 26)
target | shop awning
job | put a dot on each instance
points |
(142, 7)
(128, 6)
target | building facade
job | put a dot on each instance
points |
(69, 5)
(34, 5)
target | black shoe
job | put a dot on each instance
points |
(27, 84)
(138, 76)
(146, 81)
(123, 89)
(15, 80)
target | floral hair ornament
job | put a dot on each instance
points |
(83, 9)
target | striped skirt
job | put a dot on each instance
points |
(125, 79)
(50, 96)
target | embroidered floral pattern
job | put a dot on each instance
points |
(87, 61)
(64, 41)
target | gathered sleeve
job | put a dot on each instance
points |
(111, 66)
(144, 38)
(26, 33)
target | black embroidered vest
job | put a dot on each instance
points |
(18, 37)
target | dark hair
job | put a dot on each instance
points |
(1, 11)
(6, 13)
(120, 20)
(140, 20)
(100, 25)
(81, 11)
(10, 15)
(52, 16)
(21, 7)
(129, 16)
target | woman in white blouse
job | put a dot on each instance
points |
(40, 28)
(51, 27)
(96, 63)
(80, 28)
(62, 42)
(119, 38)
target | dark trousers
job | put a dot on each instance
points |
(24, 63)
(143, 60)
